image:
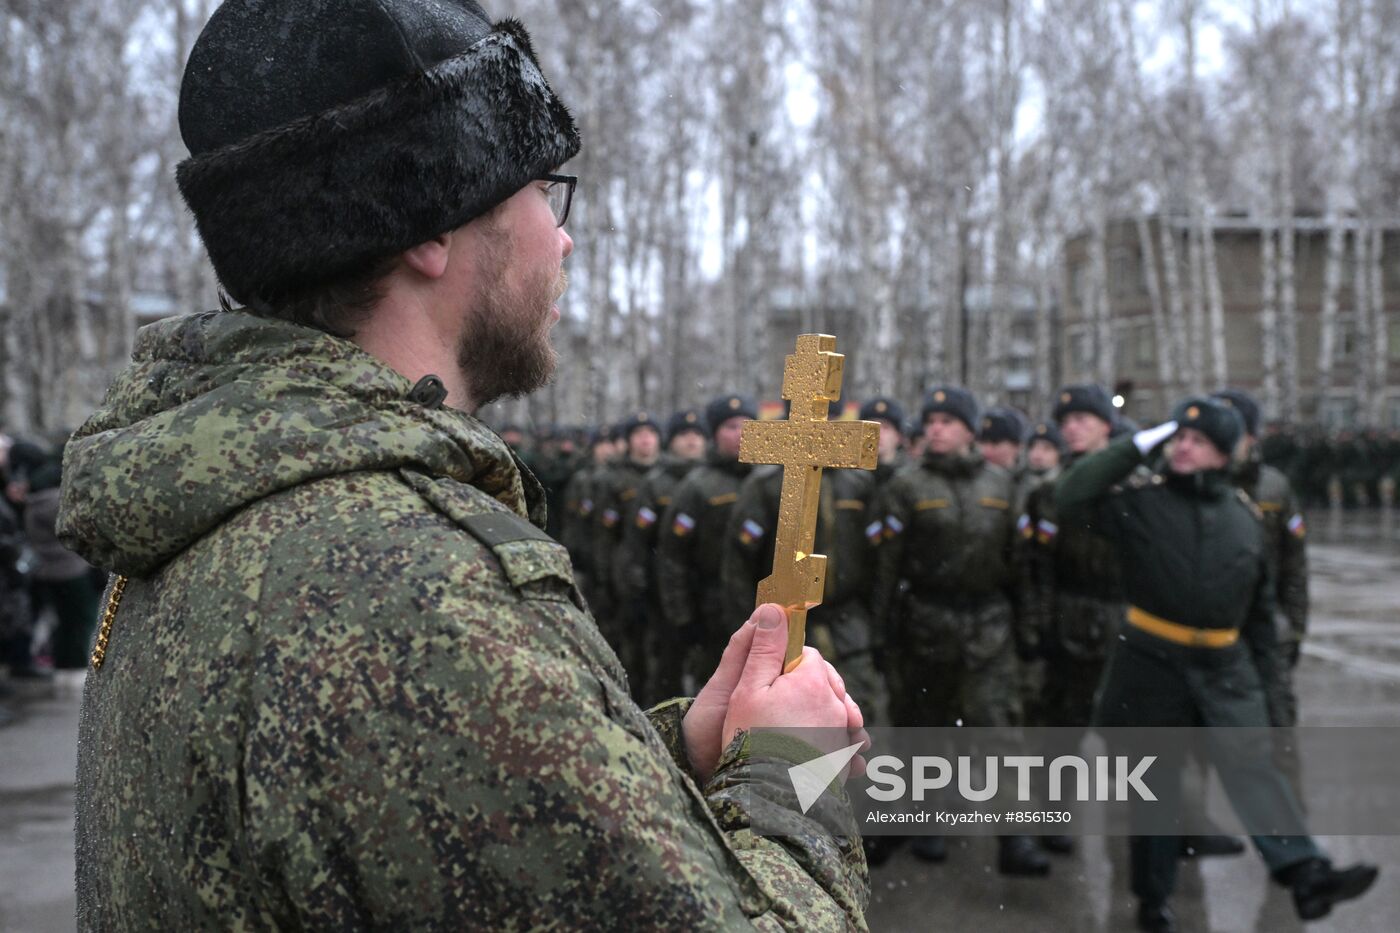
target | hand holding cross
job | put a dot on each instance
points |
(805, 444)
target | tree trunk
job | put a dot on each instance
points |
(1327, 319)
(1268, 315)
(1361, 317)
(1161, 338)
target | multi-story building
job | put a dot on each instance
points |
(1239, 255)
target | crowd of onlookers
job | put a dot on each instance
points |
(48, 594)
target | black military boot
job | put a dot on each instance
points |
(930, 848)
(1317, 886)
(1060, 845)
(1203, 846)
(1156, 917)
(1020, 856)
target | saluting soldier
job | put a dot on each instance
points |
(634, 569)
(1197, 643)
(691, 540)
(889, 414)
(946, 591)
(1285, 534)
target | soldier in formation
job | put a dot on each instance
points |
(946, 588)
(634, 570)
(690, 542)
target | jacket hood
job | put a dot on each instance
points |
(220, 409)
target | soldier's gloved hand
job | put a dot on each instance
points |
(1149, 439)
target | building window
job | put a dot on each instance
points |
(1079, 284)
(1338, 412)
(1125, 273)
(1080, 351)
(1145, 347)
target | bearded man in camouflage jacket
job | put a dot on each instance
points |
(344, 680)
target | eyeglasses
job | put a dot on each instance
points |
(560, 192)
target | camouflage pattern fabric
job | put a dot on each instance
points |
(350, 686)
(688, 555)
(947, 593)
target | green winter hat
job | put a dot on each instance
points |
(1216, 420)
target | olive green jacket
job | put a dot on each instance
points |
(1192, 547)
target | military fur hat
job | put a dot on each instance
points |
(724, 407)
(952, 400)
(1244, 403)
(637, 421)
(1003, 423)
(1048, 432)
(687, 419)
(1213, 418)
(325, 135)
(883, 408)
(1086, 397)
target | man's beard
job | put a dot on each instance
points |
(505, 349)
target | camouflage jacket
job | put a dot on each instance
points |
(688, 553)
(614, 494)
(1076, 598)
(634, 570)
(350, 686)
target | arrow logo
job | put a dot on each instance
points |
(810, 779)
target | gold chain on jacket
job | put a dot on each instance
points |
(104, 632)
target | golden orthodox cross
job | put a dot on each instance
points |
(805, 444)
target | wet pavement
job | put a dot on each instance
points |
(1349, 675)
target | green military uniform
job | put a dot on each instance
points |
(847, 533)
(576, 531)
(946, 593)
(1197, 645)
(615, 492)
(689, 548)
(635, 575)
(555, 469)
(1076, 603)
(351, 686)
(1284, 535)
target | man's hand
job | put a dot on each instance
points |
(749, 690)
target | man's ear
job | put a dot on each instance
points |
(429, 258)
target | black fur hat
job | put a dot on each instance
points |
(1002, 423)
(325, 135)
(687, 419)
(883, 408)
(724, 407)
(1213, 418)
(952, 400)
(637, 421)
(1086, 397)
(1049, 432)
